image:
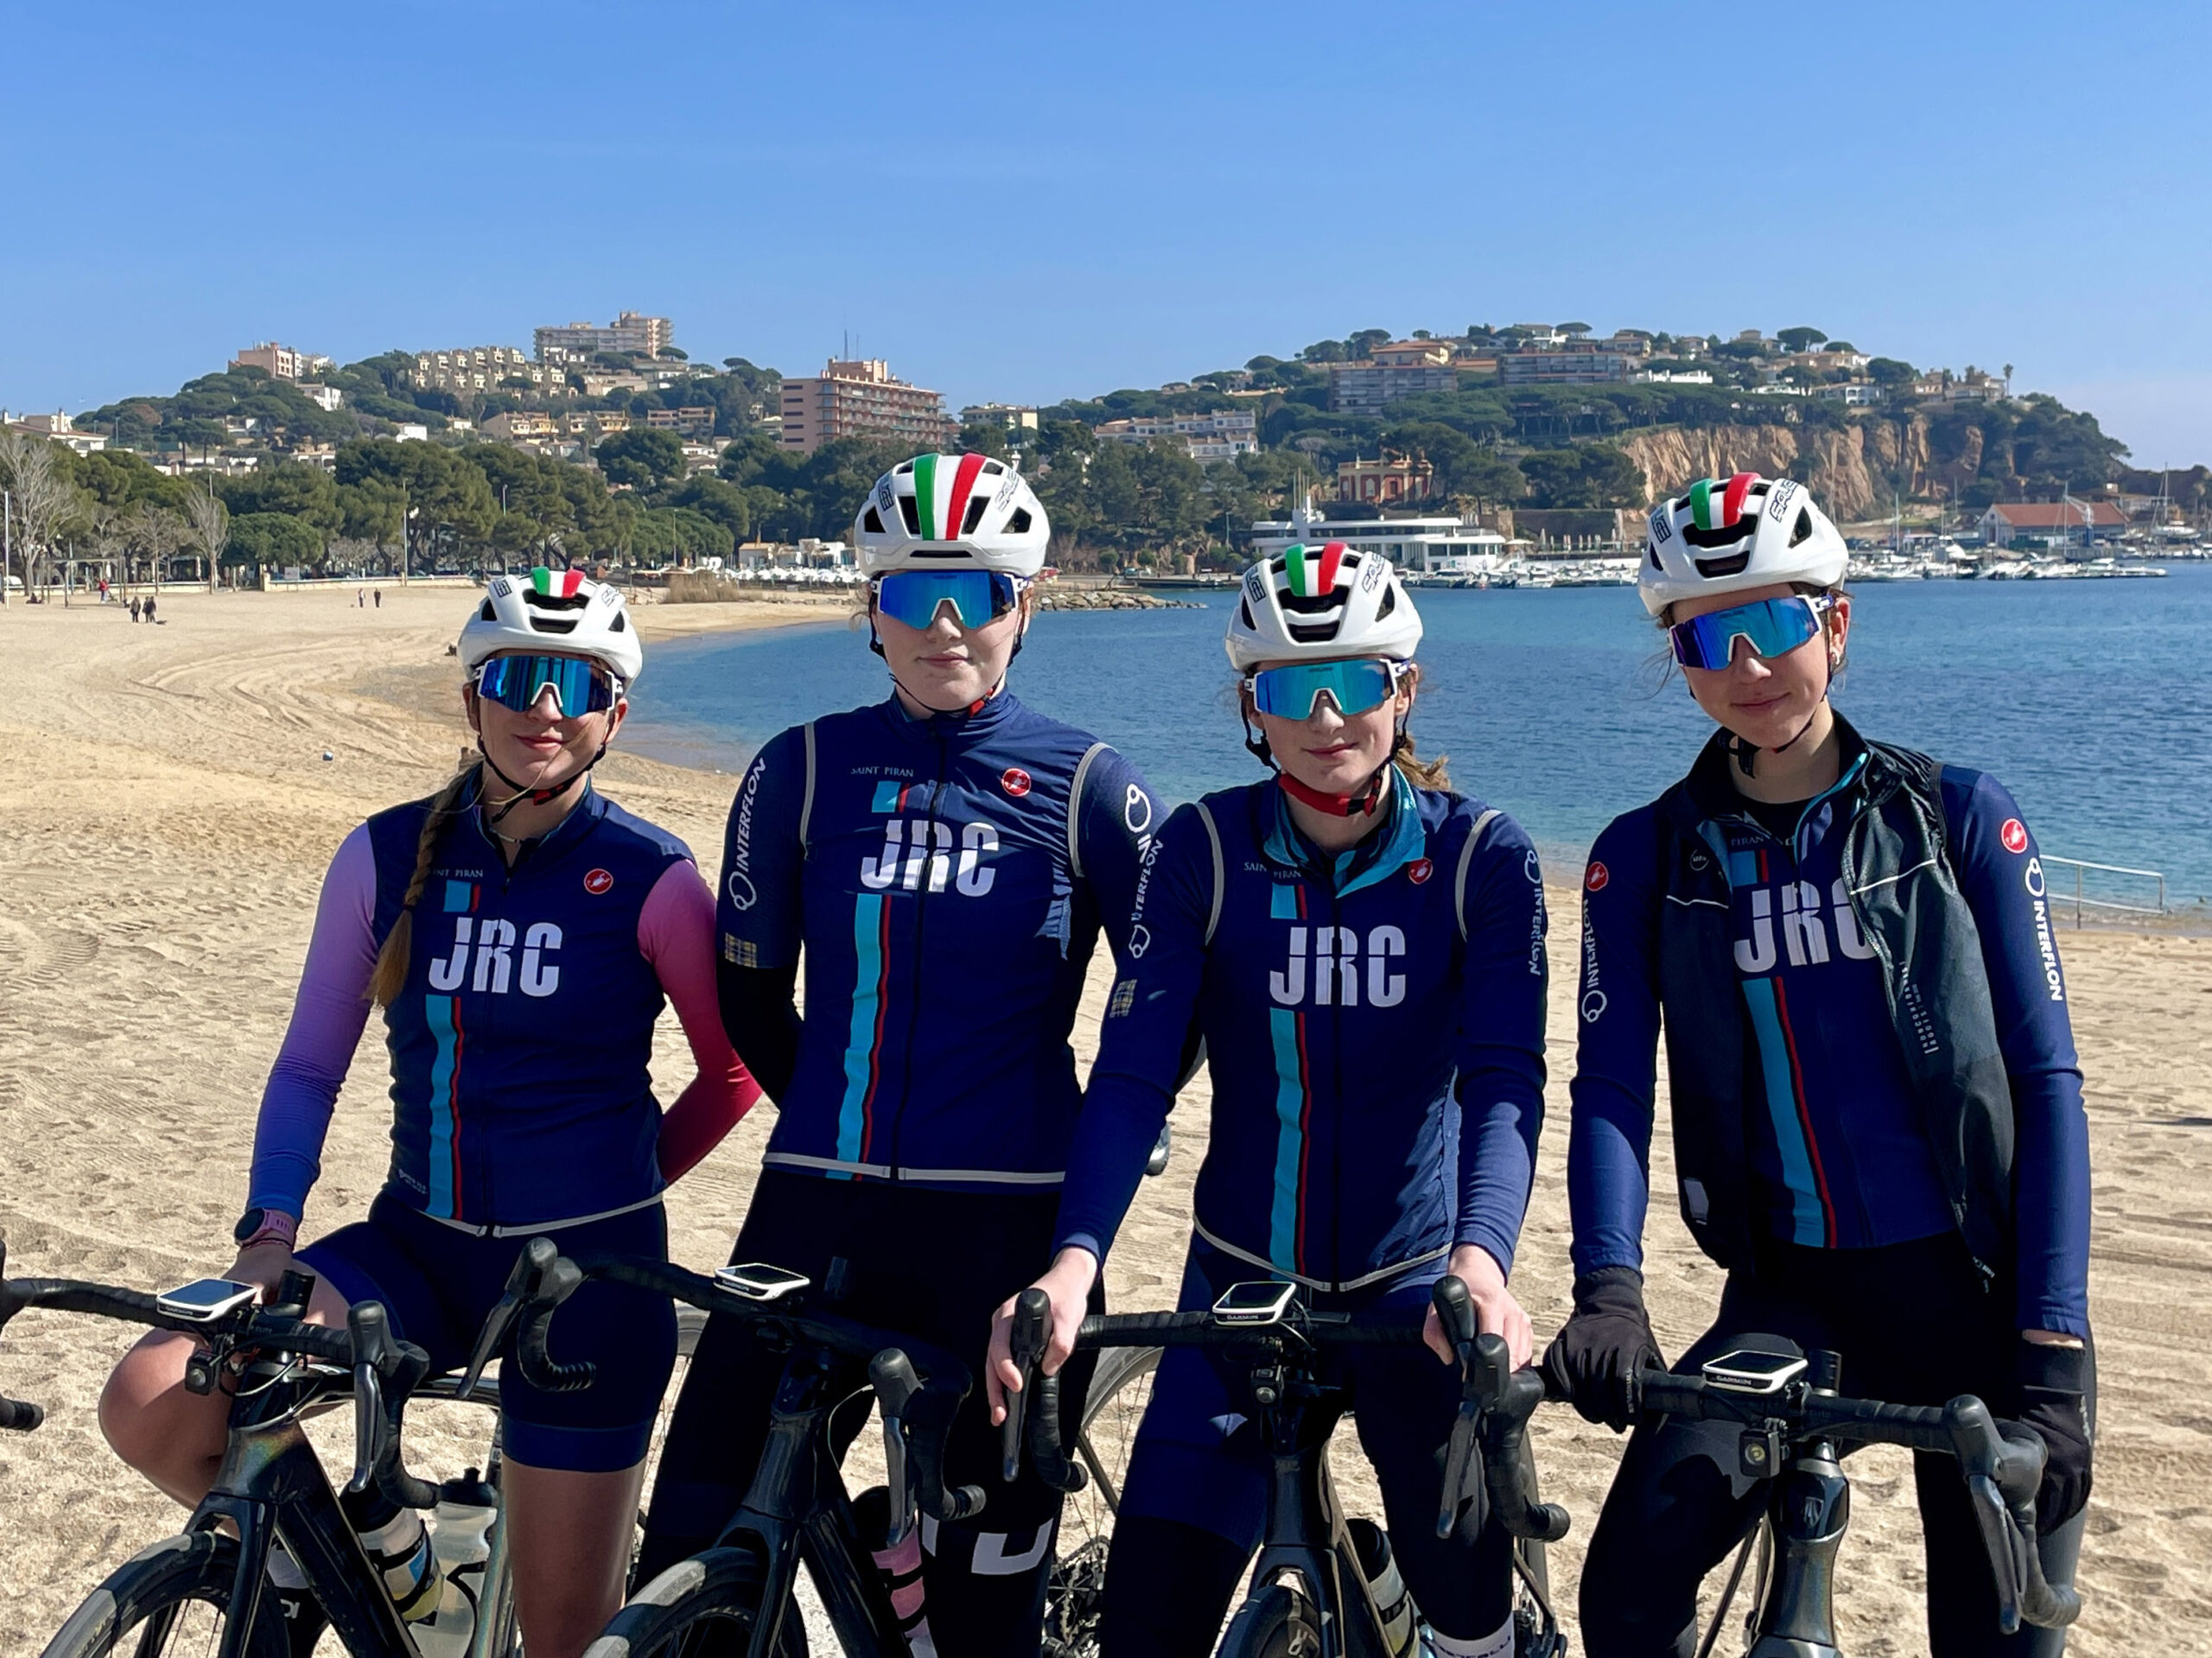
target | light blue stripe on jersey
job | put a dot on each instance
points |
(1743, 869)
(1806, 1223)
(886, 797)
(460, 895)
(860, 1040)
(1290, 1105)
(438, 1010)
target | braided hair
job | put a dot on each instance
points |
(391, 975)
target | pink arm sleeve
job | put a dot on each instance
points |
(676, 933)
(328, 1016)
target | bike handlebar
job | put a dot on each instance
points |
(2002, 1474)
(918, 1407)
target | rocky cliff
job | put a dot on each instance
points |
(1849, 469)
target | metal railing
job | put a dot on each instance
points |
(2080, 867)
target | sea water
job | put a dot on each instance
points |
(2091, 701)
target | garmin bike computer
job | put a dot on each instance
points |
(1254, 1303)
(206, 1299)
(1749, 1372)
(758, 1282)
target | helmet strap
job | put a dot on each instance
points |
(534, 796)
(1746, 754)
(1361, 804)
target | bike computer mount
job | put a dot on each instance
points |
(206, 1299)
(756, 1280)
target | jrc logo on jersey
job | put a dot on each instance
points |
(1805, 936)
(492, 947)
(918, 850)
(1333, 956)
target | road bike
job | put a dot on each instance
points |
(1313, 1589)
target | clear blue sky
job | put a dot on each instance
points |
(1026, 203)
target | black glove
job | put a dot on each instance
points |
(2050, 1386)
(1595, 1358)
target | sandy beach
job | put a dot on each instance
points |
(167, 811)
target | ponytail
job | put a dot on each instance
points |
(1422, 774)
(391, 975)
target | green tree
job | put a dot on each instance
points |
(643, 460)
(273, 541)
(1796, 340)
(308, 493)
(1891, 371)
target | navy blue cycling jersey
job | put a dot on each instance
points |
(520, 1043)
(1374, 1024)
(948, 877)
(1841, 1158)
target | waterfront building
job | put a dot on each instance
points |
(1444, 544)
(282, 362)
(2060, 521)
(578, 342)
(1386, 480)
(862, 398)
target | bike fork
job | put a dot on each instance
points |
(1810, 1510)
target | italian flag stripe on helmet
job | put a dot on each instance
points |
(962, 481)
(1732, 502)
(1332, 555)
(562, 585)
(926, 494)
(1294, 569)
(1701, 503)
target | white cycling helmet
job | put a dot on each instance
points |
(1318, 602)
(1728, 536)
(558, 611)
(940, 511)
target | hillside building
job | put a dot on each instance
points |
(282, 362)
(1576, 362)
(478, 369)
(1218, 434)
(1386, 480)
(1014, 416)
(862, 398)
(1404, 368)
(578, 342)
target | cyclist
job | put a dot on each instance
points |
(946, 859)
(1877, 1121)
(1363, 953)
(520, 932)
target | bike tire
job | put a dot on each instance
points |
(1121, 1388)
(1277, 1622)
(172, 1598)
(706, 1604)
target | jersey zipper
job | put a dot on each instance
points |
(914, 997)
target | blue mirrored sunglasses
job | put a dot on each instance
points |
(517, 682)
(1775, 627)
(977, 596)
(1354, 685)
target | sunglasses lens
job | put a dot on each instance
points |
(1774, 626)
(1290, 693)
(913, 597)
(517, 682)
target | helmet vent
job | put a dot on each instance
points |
(537, 601)
(903, 467)
(619, 624)
(992, 469)
(1742, 529)
(1733, 564)
(975, 514)
(1017, 523)
(487, 614)
(1390, 602)
(1802, 530)
(911, 514)
(553, 623)
(872, 521)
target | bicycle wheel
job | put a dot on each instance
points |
(1120, 1390)
(169, 1601)
(704, 1607)
(1277, 1622)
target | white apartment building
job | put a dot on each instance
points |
(579, 341)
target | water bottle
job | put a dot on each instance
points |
(1392, 1599)
(901, 1565)
(460, 1549)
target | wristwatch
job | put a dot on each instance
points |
(260, 1225)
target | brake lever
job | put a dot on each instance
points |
(539, 1367)
(892, 1374)
(369, 1326)
(1032, 1310)
(1455, 1316)
(524, 1281)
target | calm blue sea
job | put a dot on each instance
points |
(2091, 699)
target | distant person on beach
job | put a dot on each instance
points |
(147, 610)
(521, 906)
(946, 859)
(360, 599)
(1362, 952)
(379, 597)
(134, 611)
(1877, 1108)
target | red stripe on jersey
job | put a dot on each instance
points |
(453, 1100)
(1804, 1116)
(875, 1043)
